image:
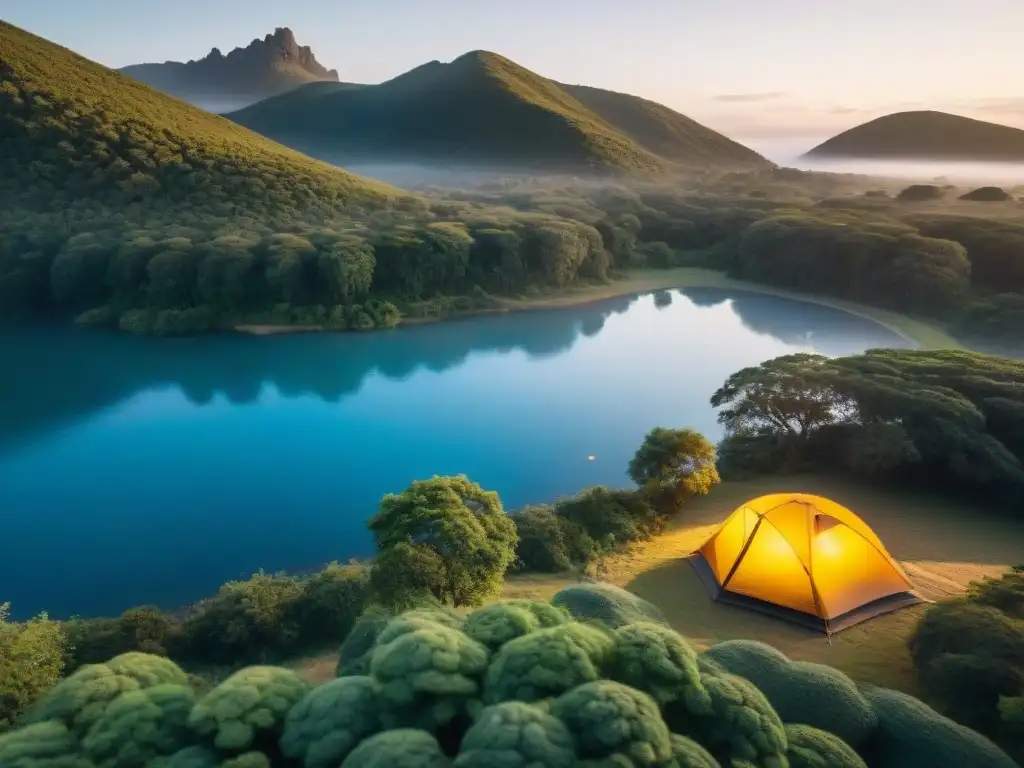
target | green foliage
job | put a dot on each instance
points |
(330, 721)
(687, 753)
(46, 744)
(93, 641)
(951, 418)
(656, 660)
(911, 735)
(357, 649)
(428, 677)
(248, 708)
(742, 725)
(514, 734)
(139, 726)
(82, 699)
(610, 721)
(676, 462)
(547, 663)
(544, 540)
(244, 620)
(611, 605)
(800, 691)
(446, 536)
(496, 624)
(600, 520)
(401, 748)
(31, 660)
(969, 657)
(565, 695)
(813, 748)
(862, 257)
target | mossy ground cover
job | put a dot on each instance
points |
(942, 544)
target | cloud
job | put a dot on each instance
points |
(843, 110)
(748, 97)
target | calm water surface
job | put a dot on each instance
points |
(151, 471)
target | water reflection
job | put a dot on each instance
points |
(140, 470)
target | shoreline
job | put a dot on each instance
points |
(922, 333)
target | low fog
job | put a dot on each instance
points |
(788, 152)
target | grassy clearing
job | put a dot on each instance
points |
(942, 544)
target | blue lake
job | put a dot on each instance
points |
(138, 471)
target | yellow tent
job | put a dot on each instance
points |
(803, 558)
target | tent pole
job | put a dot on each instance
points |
(739, 557)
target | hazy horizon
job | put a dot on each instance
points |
(792, 70)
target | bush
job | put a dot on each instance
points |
(329, 604)
(146, 629)
(544, 544)
(246, 621)
(911, 735)
(800, 691)
(434, 696)
(969, 652)
(607, 603)
(31, 660)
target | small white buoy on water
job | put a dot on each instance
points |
(591, 458)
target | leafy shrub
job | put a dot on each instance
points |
(434, 696)
(969, 653)
(145, 629)
(912, 735)
(248, 620)
(608, 604)
(31, 661)
(800, 691)
(813, 748)
(544, 541)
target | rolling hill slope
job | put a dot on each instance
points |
(73, 131)
(220, 83)
(484, 109)
(926, 135)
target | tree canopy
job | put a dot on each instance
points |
(948, 417)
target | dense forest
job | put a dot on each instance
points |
(123, 207)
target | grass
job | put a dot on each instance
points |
(942, 545)
(483, 108)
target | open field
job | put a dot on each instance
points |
(943, 545)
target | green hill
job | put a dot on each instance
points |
(123, 206)
(486, 110)
(74, 132)
(926, 135)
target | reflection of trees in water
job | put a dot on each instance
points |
(58, 376)
(789, 320)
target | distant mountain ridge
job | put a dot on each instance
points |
(482, 108)
(925, 135)
(244, 76)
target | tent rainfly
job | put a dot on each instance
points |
(805, 559)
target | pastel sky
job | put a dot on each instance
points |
(758, 70)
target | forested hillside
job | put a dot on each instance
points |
(135, 209)
(482, 109)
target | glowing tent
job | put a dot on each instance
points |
(805, 559)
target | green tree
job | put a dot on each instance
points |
(456, 535)
(676, 462)
(31, 661)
